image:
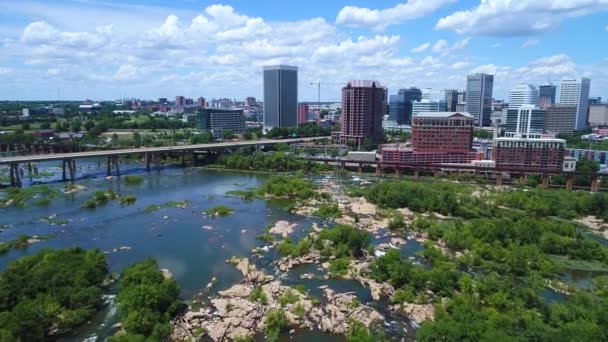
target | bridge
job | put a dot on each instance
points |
(498, 171)
(150, 155)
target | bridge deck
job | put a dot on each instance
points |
(165, 149)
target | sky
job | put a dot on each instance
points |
(105, 50)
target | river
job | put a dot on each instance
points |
(192, 245)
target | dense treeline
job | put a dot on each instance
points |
(561, 203)
(294, 188)
(443, 198)
(50, 292)
(276, 161)
(147, 302)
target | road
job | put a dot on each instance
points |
(164, 149)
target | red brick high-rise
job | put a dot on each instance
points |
(443, 132)
(363, 105)
(302, 113)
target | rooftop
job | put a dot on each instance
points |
(281, 67)
(442, 114)
(363, 84)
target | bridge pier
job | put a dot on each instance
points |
(499, 179)
(595, 184)
(569, 182)
(379, 169)
(397, 172)
(109, 167)
(360, 168)
(116, 165)
(147, 160)
(15, 176)
(416, 174)
(522, 179)
(546, 180)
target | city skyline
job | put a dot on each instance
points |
(72, 50)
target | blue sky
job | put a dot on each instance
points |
(103, 49)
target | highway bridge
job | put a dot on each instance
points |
(150, 154)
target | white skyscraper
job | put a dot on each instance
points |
(523, 94)
(575, 92)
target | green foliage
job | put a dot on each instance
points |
(50, 292)
(288, 248)
(147, 301)
(300, 288)
(346, 241)
(276, 321)
(22, 241)
(258, 295)
(357, 332)
(339, 266)
(100, 198)
(133, 180)
(127, 200)
(36, 194)
(220, 210)
(288, 187)
(171, 204)
(298, 310)
(244, 194)
(276, 162)
(289, 297)
(328, 211)
(444, 198)
(561, 203)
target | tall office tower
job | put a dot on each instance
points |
(451, 99)
(180, 101)
(560, 118)
(523, 94)
(525, 120)
(575, 92)
(280, 96)
(402, 111)
(200, 102)
(546, 94)
(396, 109)
(250, 101)
(363, 104)
(598, 114)
(428, 106)
(479, 98)
(302, 113)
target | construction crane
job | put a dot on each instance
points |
(318, 84)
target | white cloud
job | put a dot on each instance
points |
(440, 45)
(521, 17)
(460, 65)
(530, 43)
(379, 20)
(5, 71)
(421, 48)
(41, 33)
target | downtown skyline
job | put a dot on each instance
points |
(106, 50)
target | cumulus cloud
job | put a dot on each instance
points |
(440, 45)
(421, 48)
(379, 20)
(41, 33)
(530, 43)
(5, 71)
(522, 17)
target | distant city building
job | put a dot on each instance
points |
(162, 100)
(575, 92)
(451, 99)
(526, 120)
(595, 100)
(400, 108)
(217, 120)
(523, 94)
(180, 101)
(560, 118)
(599, 156)
(280, 96)
(200, 102)
(442, 132)
(25, 112)
(479, 98)
(546, 94)
(250, 101)
(529, 154)
(363, 104)
(428, 106)
(302, 113)
(598, 114)
(189, 102)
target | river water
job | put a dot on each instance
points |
(193, 246)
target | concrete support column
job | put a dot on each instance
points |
(109, 171)
(522, 180)
(360, 168)
(499, 179)
(397, 172)
(595, 184)
(63, 171)
(416, 173)
(379, 169)
(15, 176)
(116, 165)
(569, 182)
(546, 179)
